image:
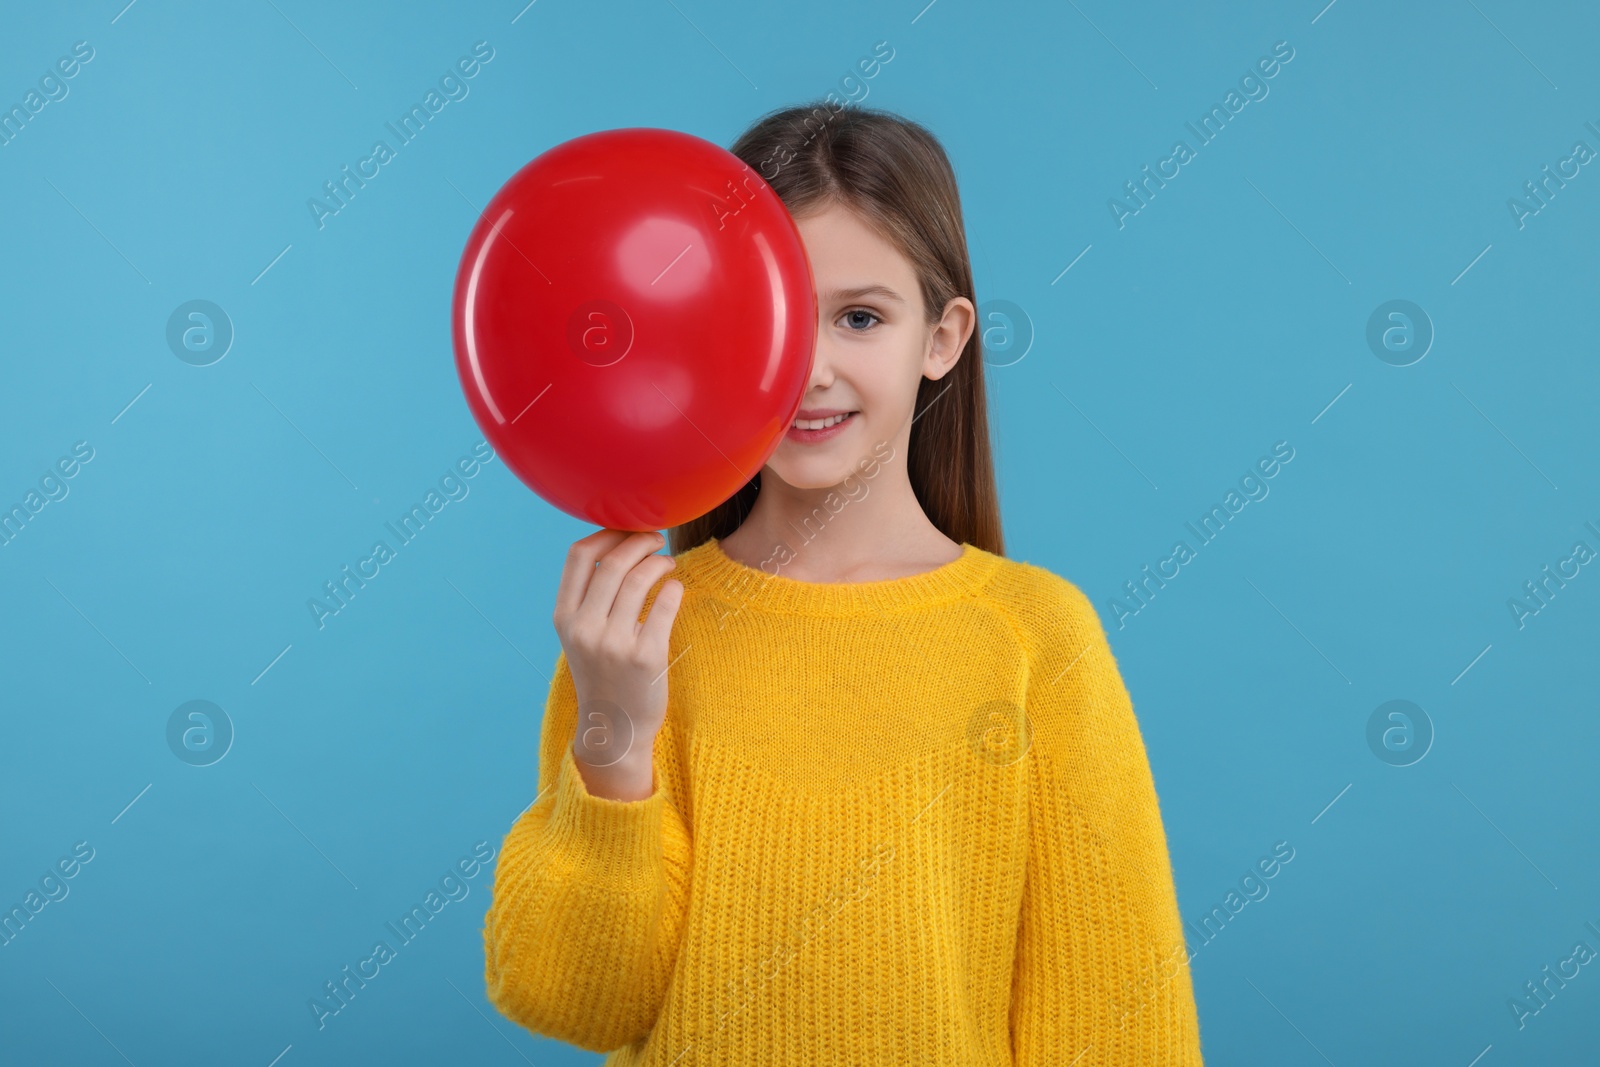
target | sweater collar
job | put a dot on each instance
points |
(707, 568)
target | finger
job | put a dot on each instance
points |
(579, 568)
(635, 587)
(657, 626)
(612, 567)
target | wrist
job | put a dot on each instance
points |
(604, 774)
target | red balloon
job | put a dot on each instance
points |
(634, 318)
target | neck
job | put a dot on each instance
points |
(862, 529)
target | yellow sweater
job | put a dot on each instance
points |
(907, 821)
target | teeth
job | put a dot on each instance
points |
(819, 424)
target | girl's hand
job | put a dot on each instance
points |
(618, 665)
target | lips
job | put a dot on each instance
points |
(808, 436)
(819, 421)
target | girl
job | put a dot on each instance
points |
(896, 808)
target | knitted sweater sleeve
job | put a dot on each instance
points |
(589, 897)
(1102, 971)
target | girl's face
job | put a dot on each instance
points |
(874, 347)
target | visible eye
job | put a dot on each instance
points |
(855, 314)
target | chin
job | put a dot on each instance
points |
(815, 473)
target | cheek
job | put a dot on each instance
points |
(886, 373)
(889, 390)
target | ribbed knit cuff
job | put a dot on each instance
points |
(606, 839)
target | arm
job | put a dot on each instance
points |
(588, 898)
(1102, 969)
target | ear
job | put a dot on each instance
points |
(948, 338)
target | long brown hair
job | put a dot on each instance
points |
(895, 175)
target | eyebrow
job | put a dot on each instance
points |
(836, 295)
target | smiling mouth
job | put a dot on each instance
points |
(822, 424)
(816, 431)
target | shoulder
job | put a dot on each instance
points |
(1079, 712)
(1049, 612)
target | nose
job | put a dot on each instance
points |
(821, 365)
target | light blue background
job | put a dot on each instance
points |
(1226, 316)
